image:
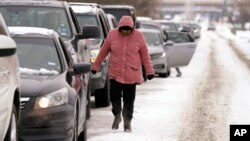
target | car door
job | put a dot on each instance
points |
(181, 51)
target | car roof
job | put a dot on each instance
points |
(31, 32)
(118, 6)
(85, 7)
(47, 3)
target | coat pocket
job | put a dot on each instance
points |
(134, 67)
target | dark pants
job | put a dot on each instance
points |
(127, 91)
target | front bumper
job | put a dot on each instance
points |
(48, 124)
(160, 65)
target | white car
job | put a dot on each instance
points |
(9, 86)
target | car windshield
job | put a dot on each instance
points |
(38, 54)
(89, 20)
(118, 13)
(51, 18)
(152, 38)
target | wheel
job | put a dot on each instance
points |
(12, 130)
(83, 135)
(168, 72)
(75, 128)
(102, 96)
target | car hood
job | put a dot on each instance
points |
(37, 85)
(155, 50)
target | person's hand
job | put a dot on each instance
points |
(93, 71)
(151, 76)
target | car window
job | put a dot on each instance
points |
(88, 20)
(51, 18)
(171, 27)
(66, 54)
(37, 53)
(178, 37)
(152, 38)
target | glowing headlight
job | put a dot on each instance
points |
(163, 54)
(53, 99)
(94, 54)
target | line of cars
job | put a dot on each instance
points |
(56, 44)
(55, 61)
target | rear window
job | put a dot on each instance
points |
(51, 18)
(89, 20)
(118, 13)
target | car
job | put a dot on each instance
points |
(152, 25)
(93, 14)
(211, 26)
(157, 51)
(9, 85)
(181, 48)
(43, 13)
(53, 104)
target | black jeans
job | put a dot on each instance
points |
(127, 91)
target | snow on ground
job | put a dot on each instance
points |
(161, 103)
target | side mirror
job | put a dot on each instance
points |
(81, 68)
(7, 46)
(90, 32)
(169, 43)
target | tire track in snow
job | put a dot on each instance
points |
(242, 57)
(204, 120)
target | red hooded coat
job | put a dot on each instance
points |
(127, 54)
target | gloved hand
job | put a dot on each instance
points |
(93, 71)
(151, 76)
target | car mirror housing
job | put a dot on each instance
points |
(7, 46)
(90, 32)
(81, 68)
(169, 43)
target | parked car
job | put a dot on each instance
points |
(93, 14)
(181, 47)
(9, 85)
(152, 25)
(47, 14)
(157, 51)
(53, 103)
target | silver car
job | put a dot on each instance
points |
(157, 51)
(9, 86)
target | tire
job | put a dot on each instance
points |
(75, 128)
(165, 75)
(83, 135)
(12, 130)
(168, 72)
(102, 96)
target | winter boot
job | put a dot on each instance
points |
(116, 122)
(127, 125)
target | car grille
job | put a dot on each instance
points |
(24, 100)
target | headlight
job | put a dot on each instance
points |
(53, 99)
(94, 54)
(163, 54)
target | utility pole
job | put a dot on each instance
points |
(188, 9)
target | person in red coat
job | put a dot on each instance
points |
(128, 53)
